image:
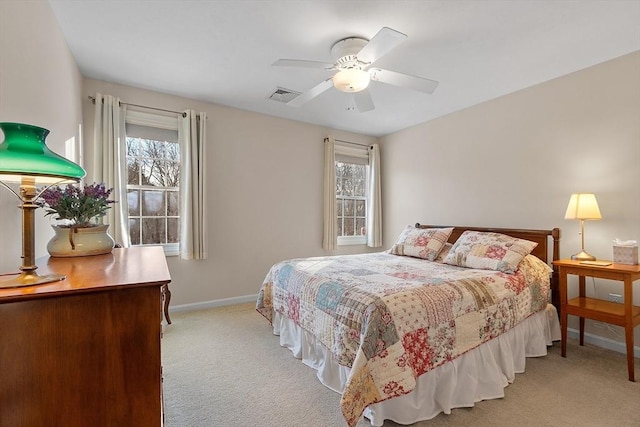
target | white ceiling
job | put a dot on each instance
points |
(221, 51)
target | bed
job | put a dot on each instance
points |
(432, 324)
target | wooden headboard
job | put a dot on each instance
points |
(541, 237)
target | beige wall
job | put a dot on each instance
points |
(514, 162)
(264, 193)
(40, 85)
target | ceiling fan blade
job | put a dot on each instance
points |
(384, 41)
(303, 64)
(363, 100)
(311, 93)
(403, 80)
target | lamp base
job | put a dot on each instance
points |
(583, 256)
(30, 279)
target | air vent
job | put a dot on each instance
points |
(283, 95)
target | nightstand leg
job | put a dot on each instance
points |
(628, 328)
(628, 331)
(563, 312)
(582, 293)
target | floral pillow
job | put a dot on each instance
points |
(443, 252)
(424, 243)
(489, 251)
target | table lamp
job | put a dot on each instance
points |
(583, 206)
(25, 159)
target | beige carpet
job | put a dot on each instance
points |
(224, 367)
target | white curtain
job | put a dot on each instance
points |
(192, 136)
(109, 162)
(374, 215)
(330, 234)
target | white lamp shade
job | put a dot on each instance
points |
(351, 80)
(583, 206)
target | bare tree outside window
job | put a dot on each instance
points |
(153, 180)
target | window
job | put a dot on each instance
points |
(351, 203)
(153, 184)
(351, 194)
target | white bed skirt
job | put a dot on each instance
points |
(479, 374)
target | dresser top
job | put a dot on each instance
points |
(124, 267)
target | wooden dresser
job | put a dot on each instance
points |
(85, 351)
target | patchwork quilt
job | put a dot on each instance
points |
(392, 318)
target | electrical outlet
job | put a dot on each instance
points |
(615, 298)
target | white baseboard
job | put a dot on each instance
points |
(213, 303)
(603, 342)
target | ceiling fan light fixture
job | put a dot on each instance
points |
(351, 80)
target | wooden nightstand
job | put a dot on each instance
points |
(626, 314)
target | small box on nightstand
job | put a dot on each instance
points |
(625, 255)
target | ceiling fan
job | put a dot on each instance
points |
(354, 56)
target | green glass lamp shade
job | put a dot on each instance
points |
(25, 158)
(24, 153)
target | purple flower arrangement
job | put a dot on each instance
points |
(77, 204)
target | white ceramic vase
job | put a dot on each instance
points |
(72, 242)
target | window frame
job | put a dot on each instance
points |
(159, 122)
(359, 239)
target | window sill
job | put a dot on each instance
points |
(171, 249)
(351, 241)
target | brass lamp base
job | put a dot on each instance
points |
(583, 256)
(30, 278)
